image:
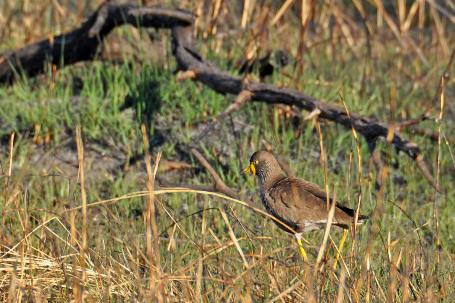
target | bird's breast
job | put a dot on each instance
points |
(265, 198)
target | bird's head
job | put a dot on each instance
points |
(263, 164)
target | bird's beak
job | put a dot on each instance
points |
(250, 169)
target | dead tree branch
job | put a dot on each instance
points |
(218, 184)
(261, 92)
(82, 44)
(205, 72)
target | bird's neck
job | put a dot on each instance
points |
(267, 179)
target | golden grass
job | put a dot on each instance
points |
(52, 256)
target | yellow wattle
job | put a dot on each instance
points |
(250, 169)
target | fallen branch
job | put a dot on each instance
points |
(82, 44)
(218, 184)
(208, 74)
(224, 83)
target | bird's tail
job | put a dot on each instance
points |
(351, 212)
(362, 219)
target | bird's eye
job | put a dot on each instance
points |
(256, 162)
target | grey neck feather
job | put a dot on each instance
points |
(269, 175)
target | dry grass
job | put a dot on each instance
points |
(52, 247)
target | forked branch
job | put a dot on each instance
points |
(83, 42)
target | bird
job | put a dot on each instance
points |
(299, 204)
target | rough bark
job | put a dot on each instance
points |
(83, 43)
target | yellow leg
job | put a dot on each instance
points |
(340, 247)
(301, 249)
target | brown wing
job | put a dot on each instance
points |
(319, 192)
(312, 188)
(301, 202)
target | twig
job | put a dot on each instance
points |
(243, 97)
(314, 114)
(411, 122)
(181, 76)
(83, 251)
(234, 238)
(423, 167)
(218, 185)
(11, 149)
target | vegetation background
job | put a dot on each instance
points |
(385, 59)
